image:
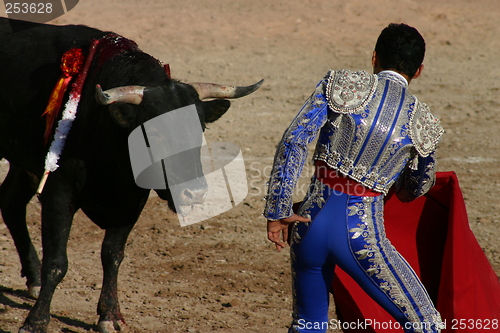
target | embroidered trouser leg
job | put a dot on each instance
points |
(348, 231)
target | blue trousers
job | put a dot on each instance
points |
(348, 231)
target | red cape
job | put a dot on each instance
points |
(434, 236)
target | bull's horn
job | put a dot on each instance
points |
(125, 94)
(212, 90)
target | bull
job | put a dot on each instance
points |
(94, 172)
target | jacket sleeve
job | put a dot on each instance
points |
(417, 178)
(291, 153)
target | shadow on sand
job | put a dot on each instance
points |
(20, 299)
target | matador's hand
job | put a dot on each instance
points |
(274, 228)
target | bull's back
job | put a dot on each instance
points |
(32, 51)
(30, 56)
(15, 29)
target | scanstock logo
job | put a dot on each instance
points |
(163, 154)
(41, 11)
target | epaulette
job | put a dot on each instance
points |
(350, 92)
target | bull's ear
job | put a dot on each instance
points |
(215, 109)
(123, 113)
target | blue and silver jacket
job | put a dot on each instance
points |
(371, 129)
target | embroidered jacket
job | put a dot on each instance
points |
(371, 129)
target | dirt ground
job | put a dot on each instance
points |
(222, 274)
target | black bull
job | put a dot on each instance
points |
(94, 171)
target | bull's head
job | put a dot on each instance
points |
(132, 106)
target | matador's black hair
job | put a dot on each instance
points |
(401, 48)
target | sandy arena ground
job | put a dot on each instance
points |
(222, 274)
